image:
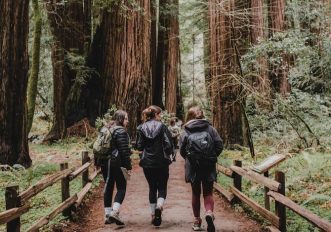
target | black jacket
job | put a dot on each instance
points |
(120, 144)
(150, 140)
(205, 172)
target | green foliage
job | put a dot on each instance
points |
(107, 117)
(299, 121)
(308, 183)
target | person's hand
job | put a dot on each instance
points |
(129, 172)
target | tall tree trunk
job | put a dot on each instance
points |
(14, 61)
(278, 73)
(154, 97)
(34, 72)
(258, 34)
(158, 79)
(70, 25)
(180, 104)
(226, 105)
(172, 58)
(123, 60)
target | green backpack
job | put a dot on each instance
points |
(102, 145)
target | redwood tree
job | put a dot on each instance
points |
(14, 23)
(70, 26)
(172, 57)
(226, 105)
(121, 55)
(278, 73)
(161, 37)
(258, 34)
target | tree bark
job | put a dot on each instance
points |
(278, 73)
(71, 28)
(226, 109)
(121, 55)
(258, 34)
(14, 61)
(158, 79)
(172, 58)
(34, 72)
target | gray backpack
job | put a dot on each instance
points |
(102, 145)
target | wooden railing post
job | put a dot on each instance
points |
(13, 201)
(279, 207)
(266, 190)
(237, 180)
(85, 159)
(65, 189)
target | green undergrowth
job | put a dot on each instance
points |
(46, 160)
(308, 183)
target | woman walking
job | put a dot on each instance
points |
(154, 140)
(119, 158)
(200, 145)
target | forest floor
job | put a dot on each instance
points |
(177, 214)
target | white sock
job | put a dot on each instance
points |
(160, 202)
(153, 207)
(116, 206)
(108, 210)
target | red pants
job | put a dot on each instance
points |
(207, 188)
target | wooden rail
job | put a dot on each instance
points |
(273, 188)
(313, 218)
(18, 204)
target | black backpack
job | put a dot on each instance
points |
(200, 147)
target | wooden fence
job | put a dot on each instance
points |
(18, 203)
(272, 188)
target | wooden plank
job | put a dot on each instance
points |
(266, 190)
(94, 174)
(272, 229)
(225, 193)
(13, 201)
(81, 195)
(268, 163)
(311, 217)
(45, 220)
(254, 205)
(280, 209)
(13, 213)
(271, 184)
(43, 184)
(226, 171)
(65, 189)
(237, 180)
(85, 159)
(78, 171)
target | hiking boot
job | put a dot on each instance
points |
(158, 216)
(197, 224)
(210, 221)
(115, 217)
(108, 220)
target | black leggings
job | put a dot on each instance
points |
(111, 176)
(157, 179)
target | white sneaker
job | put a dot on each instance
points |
(115, 216)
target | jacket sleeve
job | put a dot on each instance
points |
(182, 144)
(168, 134)
(122, 143)
(140, 141)
(218, 143)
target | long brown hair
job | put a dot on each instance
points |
(194, 113)
(144, 115)
(119, 117)
(152, 111)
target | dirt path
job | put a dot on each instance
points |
(177, 214)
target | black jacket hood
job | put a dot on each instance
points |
(197, 125)
(151, 128)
